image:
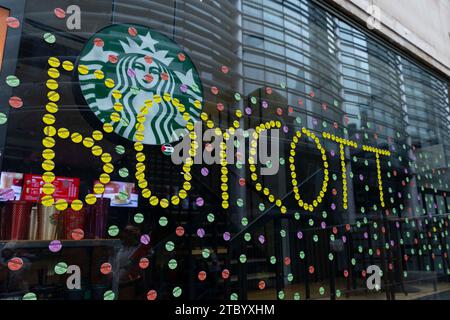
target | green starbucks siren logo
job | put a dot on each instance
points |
(122, 67)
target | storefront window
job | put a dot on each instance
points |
(93, 205)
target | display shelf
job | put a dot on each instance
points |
(65, 243)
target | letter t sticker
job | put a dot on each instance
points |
(378, 152)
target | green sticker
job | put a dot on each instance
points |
(29, 296)
(243, 258)
(120, 149)
(49, 38)
(210, 217)
(138, 218)
(123, 172)
(273, 260)
(12, 81)
(61, 268)
(234, 296)
(205, 253)
(170, 246)
(172, 264)
(113, 230)
(177, 292)
(3, 118)
(109, 295)
(163, 221)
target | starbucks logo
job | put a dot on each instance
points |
(124, 68)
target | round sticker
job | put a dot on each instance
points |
(49, 38)
(60, 13)
(144, 263)
(55, 246)
(13, 22)
(12, 81)
(15, 264)
(113, 231)
(15, 102)
(77, 234)
(105, 268)
(166, 123)
(61, 268)
(138, 218)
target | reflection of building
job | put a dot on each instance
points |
(295, 62)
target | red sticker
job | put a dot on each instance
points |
(181, 57)
(99, 42)
(132, 31)
(148, 59)
(77, 234)
(225, 69)
(179, 231)
(105, 268)
(202, 275)
(151, 295)
(113, 58)
(60, 13)
(225, 273)
(15, 264)
(144, 263)
(12, 22)
(15, 102)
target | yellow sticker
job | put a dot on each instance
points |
(182, 194)
(48, 165)
(175, 200)
(154, 201)
(48, 177)
(63, 133)
(97, 135)
(104, 178)
(138, 146)
(164, 203)
(83, 70)
(99, 188)
(76, 205)
(108, 167)
(48, 118)
(139, 136)
(54, 62)
(52, 84)
(51, 107)
(118, 106)
(106, 157)
(88, 142)
(61, 205)
(53, 73)
(48, 188)
(117, 94)
(97, 150)
(108, 128)
(143, 184)
(157, 98)
(115, 117)
(99, 74)
(48, 142)
(47, 201)
(49, 131)
(140, 157)
(67, 65)
(146, 193)
(90, 199)
(109, 83)
(76, 137)
(48, 154)
(197, 104)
